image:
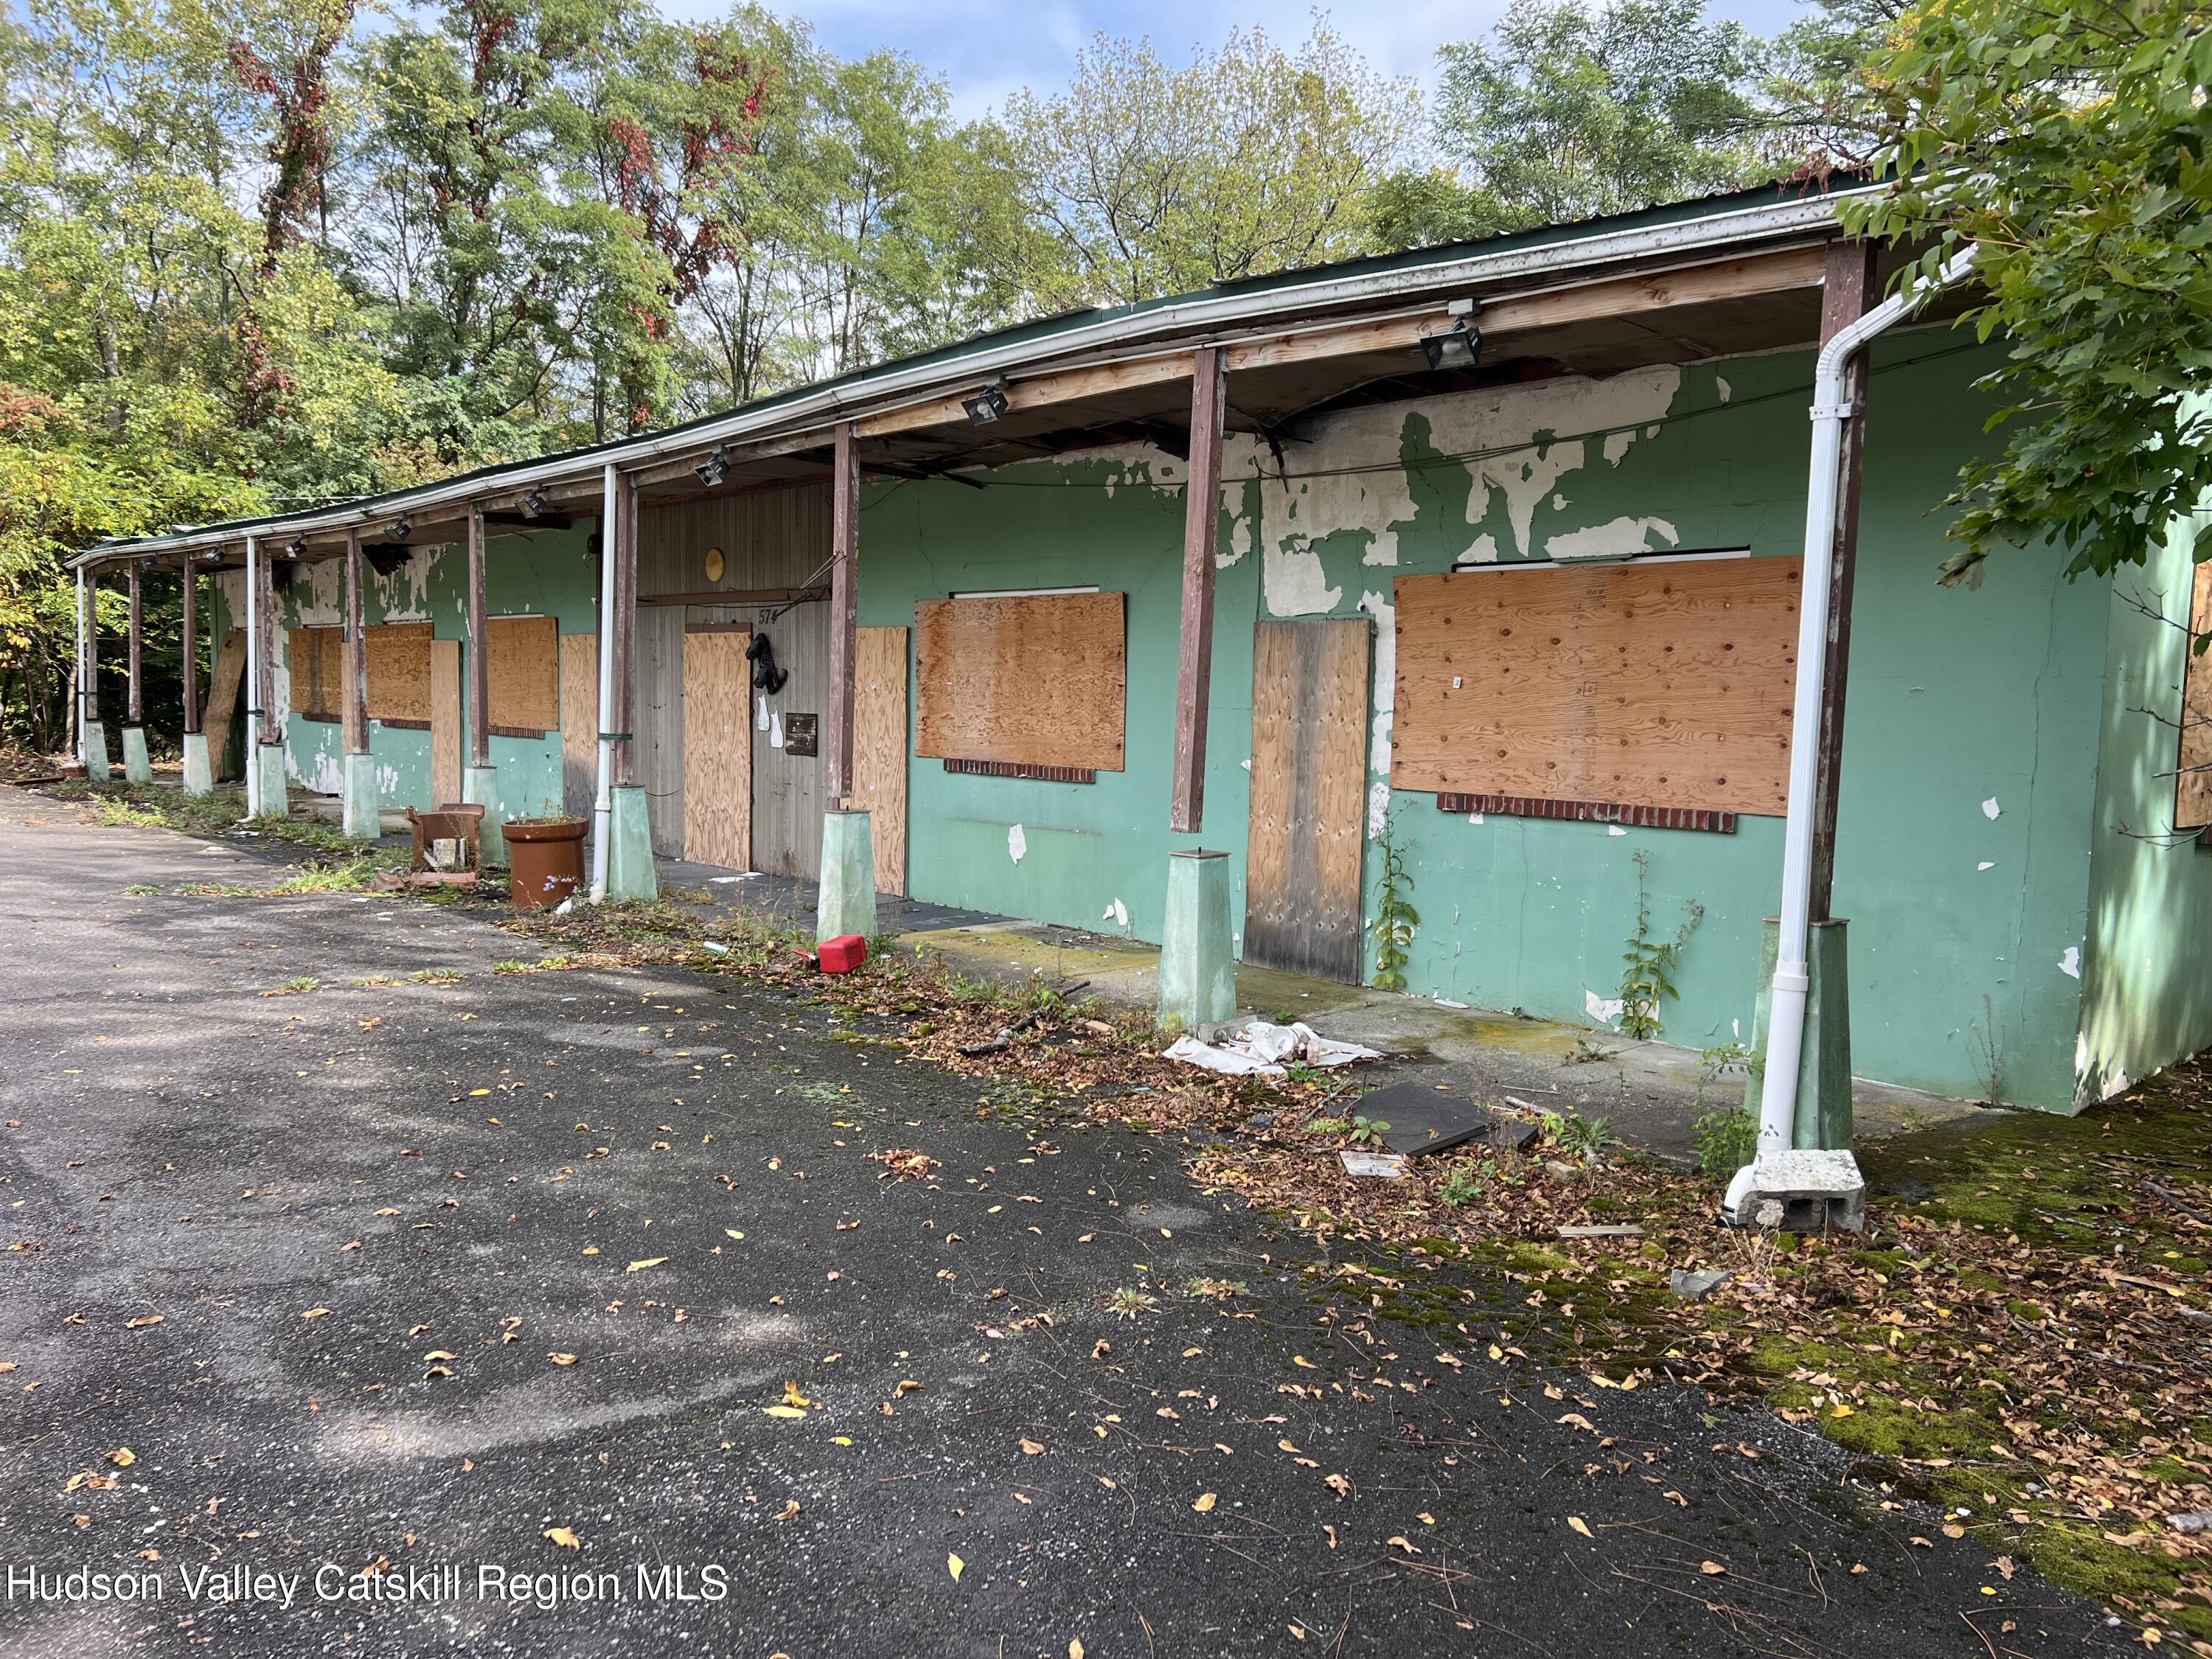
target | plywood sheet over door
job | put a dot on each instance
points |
(579, 723)
(880, 749)
(222, 699)
(445, 722)
(1302, 888)
(718, 752)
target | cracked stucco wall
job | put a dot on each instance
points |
(549, 573)
(1960, 920)
(2146, 1001)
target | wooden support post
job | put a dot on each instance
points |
(479, 647)
(136, 710)
(844, 612)
(88, 682)
(1849, 289)
(1201, 518)
(263, 599)
(624, 620)
(190, 585)
(356, 652)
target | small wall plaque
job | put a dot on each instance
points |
(800, 733)
(715, 564)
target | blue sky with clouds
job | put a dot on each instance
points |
(986, 49)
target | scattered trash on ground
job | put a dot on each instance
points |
(1259, 1049)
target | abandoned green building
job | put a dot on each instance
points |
(1491, 556)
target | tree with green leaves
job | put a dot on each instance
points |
(1155, 179)
(2071, 145)
(1573, 109)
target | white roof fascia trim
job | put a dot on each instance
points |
(879, 393)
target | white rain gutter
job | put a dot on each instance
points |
(602, 805)
(252, 677)
(1565, 262)
(1785, 1031)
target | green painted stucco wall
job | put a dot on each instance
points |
(2147, 999)
(1959, 919)
(543, 574)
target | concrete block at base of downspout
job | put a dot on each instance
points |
(136, 768)
(480, 787)
(275, 793)
(847, 901)
(1198, 965)
(199, 775)
(1823, 1121)
(630, 874)
(95, 752)
(360, 800)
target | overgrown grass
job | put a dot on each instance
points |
(337, 864)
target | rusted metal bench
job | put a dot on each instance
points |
(460, 824)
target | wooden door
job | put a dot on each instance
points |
(216, 720)
(445, 722)
(718, 748)
(1303, 849)
(879, 749)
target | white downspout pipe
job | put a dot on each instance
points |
(603, 807)
(1785, 1030)
(252, 677)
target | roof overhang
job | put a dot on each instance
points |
(1615, 294)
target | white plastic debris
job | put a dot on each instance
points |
(1259, 1049)
(1388, 1166)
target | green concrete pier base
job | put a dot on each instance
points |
(1824, 1074)
(847, 901)
(95, 752)
(136, 768)
(630, 874)
(480, 787)
(359, 799)
(199, 776)
(276, 795)
(1198, 967)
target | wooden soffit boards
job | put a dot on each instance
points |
(1658, 684)
(1715, 282)
(1038, 679)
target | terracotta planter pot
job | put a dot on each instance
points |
(546, 858)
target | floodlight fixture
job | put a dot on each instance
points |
(986, 406)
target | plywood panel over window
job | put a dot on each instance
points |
(399, 674)
(2192, 785)
(1653, 684)
(1040, 679)
(316, 657)
(524, 665)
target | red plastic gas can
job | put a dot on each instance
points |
(843, 954)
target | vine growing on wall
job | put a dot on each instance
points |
(1395, 918)
(1648, 977)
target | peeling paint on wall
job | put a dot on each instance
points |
(2070, 963)
(1618, 538)
(1604, 1009)
(1297, 585)
(1017, 842)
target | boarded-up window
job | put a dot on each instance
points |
(2192, 786)
(524, 668)
(1039, 679)
(316, 659)
(399, 674)
(1647, 684)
